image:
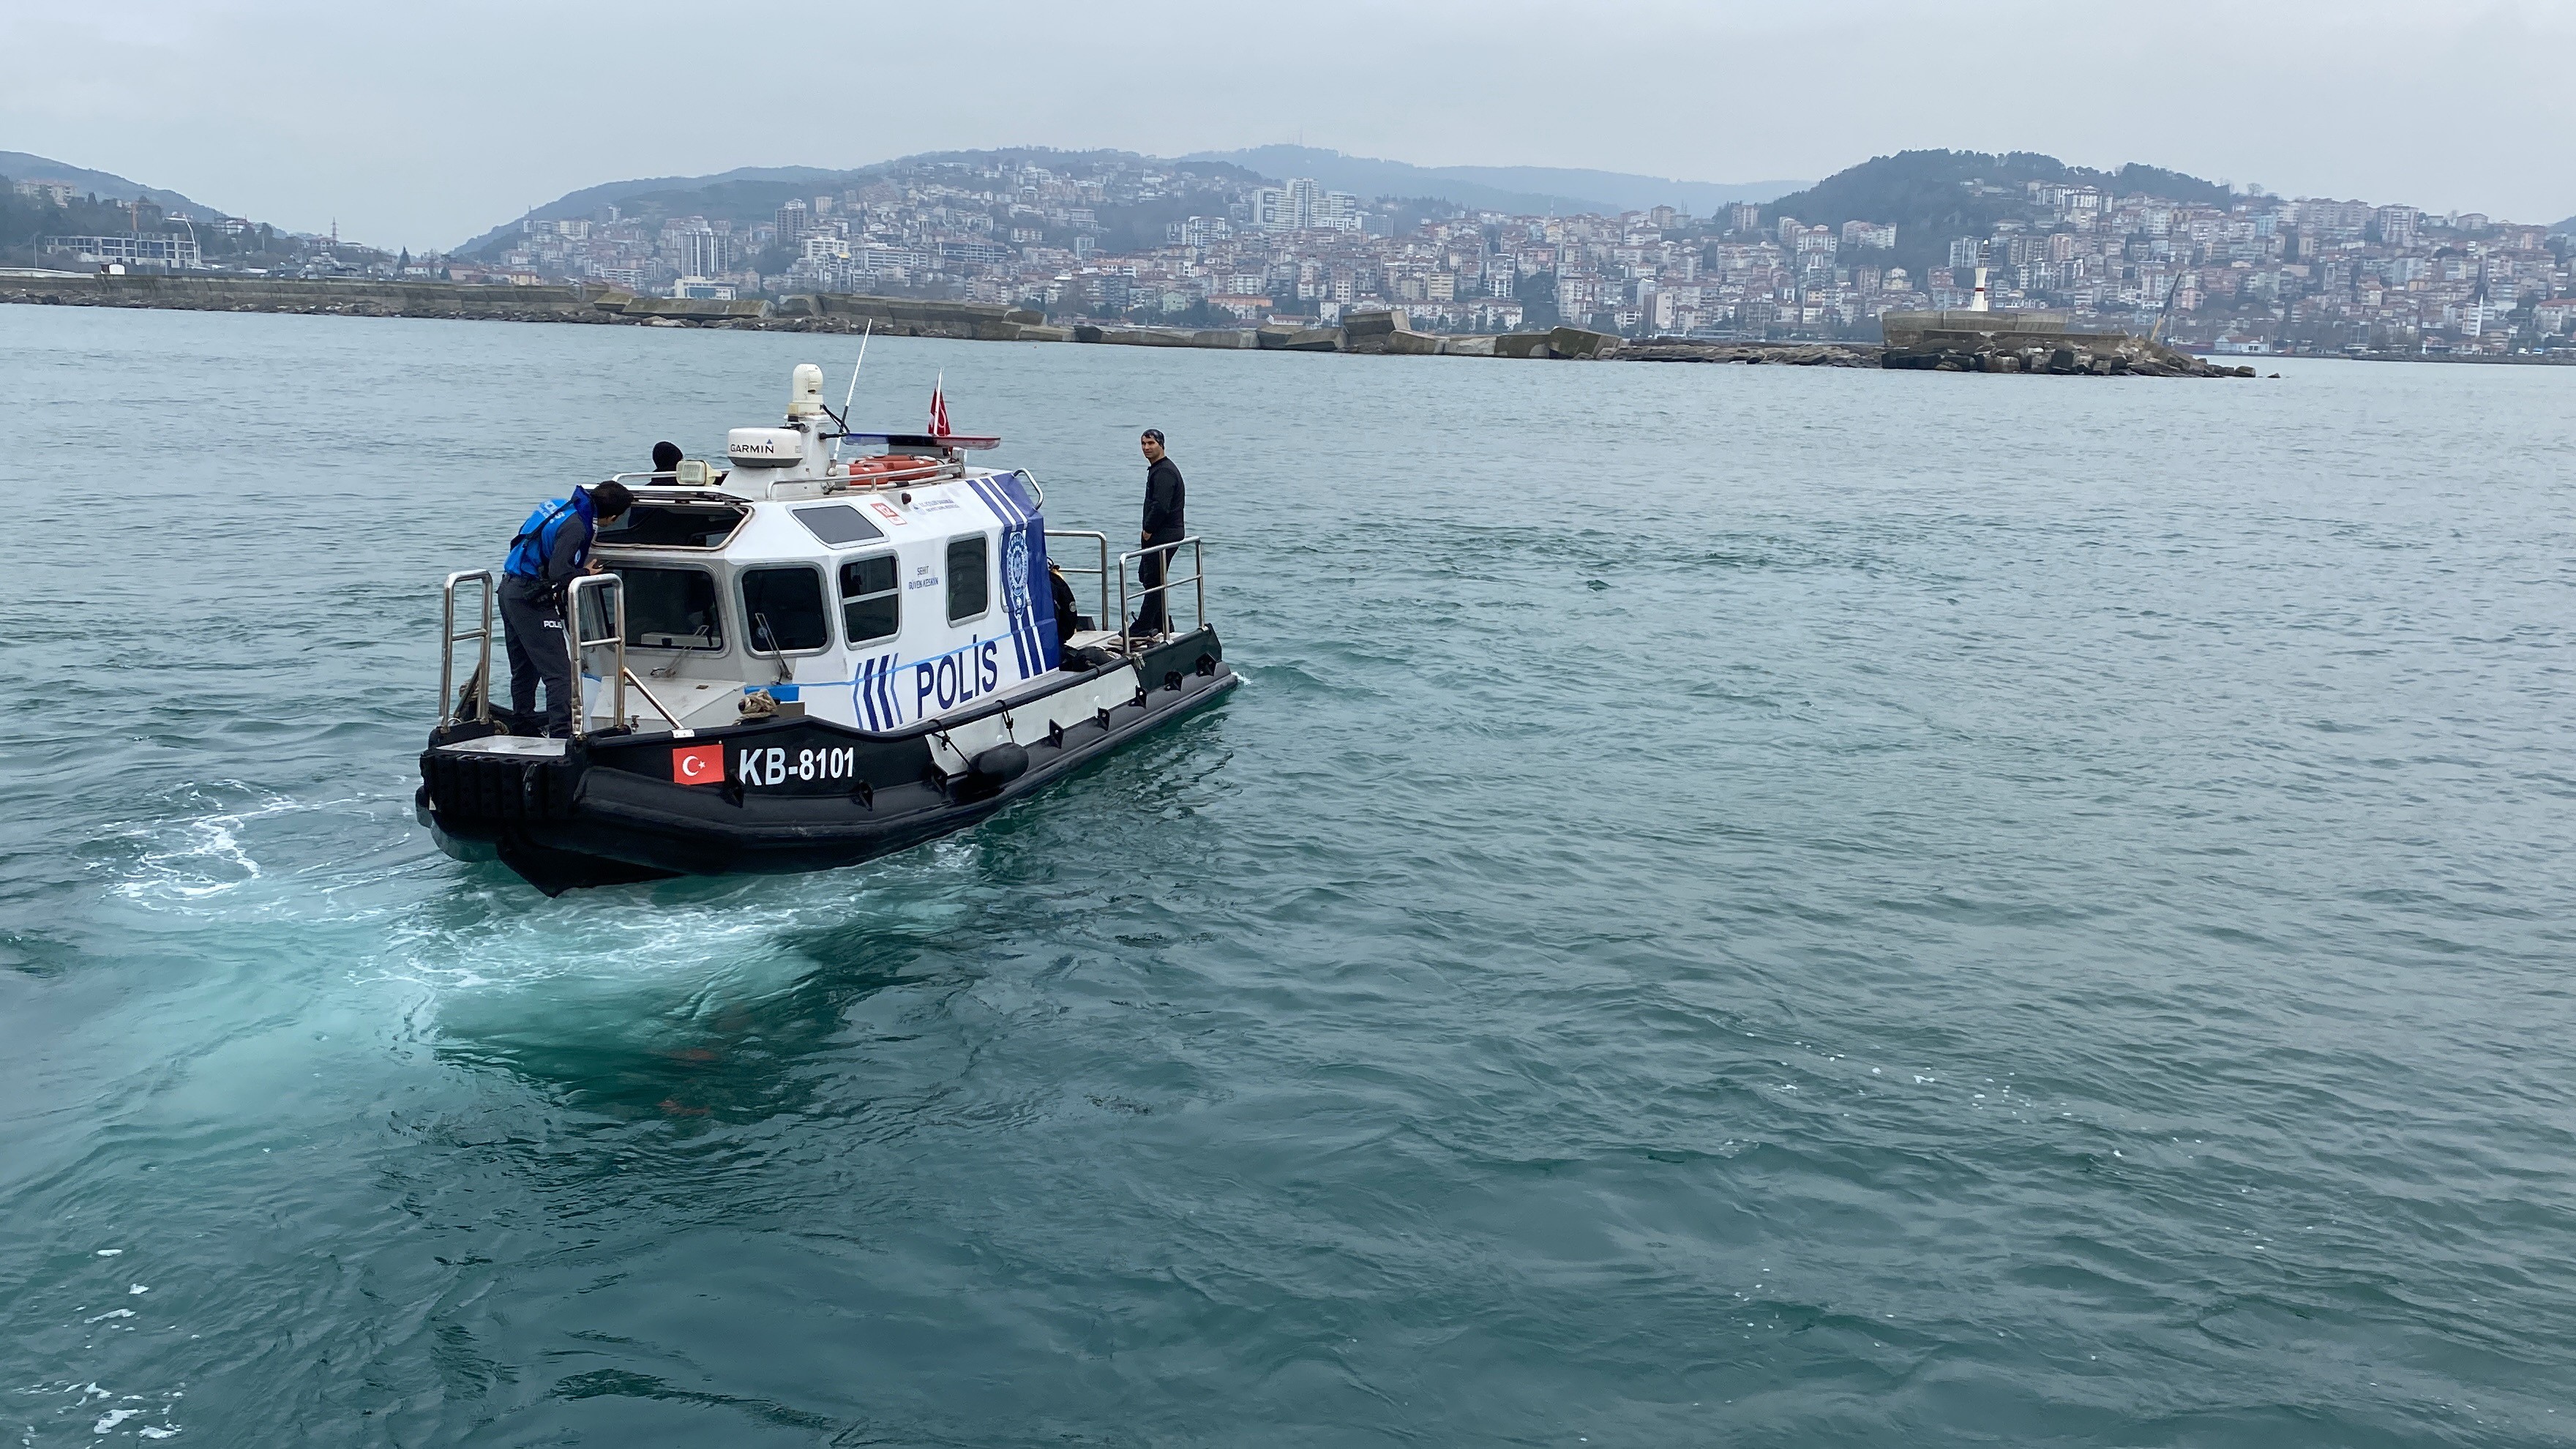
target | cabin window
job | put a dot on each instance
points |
(672, 525)
(871, 599)
(969, 583)
(669, 608)
(782, 610)
(838, 524)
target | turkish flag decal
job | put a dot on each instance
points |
(698, 765)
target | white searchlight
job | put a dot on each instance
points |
(805, 392)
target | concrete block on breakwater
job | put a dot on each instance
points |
(1224, 339)
(1130, 336)
(1784, 354)
(1375, 331)
(916, 317)
(682, 309)
(1575, 342)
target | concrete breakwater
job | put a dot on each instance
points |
(1363, 332)
(1937, 341)
(1960, 341)
(277, 294)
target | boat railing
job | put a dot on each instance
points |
(843, 478)
(613, 612)
(449, 711)
(1170, 552)
(1101, 572)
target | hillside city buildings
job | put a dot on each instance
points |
(1132, 238)
(2259, 273)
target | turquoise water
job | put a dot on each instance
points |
(1735, 905)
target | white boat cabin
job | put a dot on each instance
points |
(875, 592)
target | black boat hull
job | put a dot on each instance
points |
(612, 811)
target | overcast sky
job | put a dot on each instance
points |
(428, 125)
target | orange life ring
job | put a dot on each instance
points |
(888, 463)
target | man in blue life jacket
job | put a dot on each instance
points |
(552, 549)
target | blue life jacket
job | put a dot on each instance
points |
(536, 541)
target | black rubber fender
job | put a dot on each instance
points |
(1001, 764)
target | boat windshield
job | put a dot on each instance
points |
(670, 608)
(672, 525)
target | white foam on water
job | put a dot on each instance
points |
(194, 856)
(84, 1395)
(233, 852)
(731, 937)
(473, 937)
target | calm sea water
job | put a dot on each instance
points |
(1735, 906)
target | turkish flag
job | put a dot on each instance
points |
(698, 765)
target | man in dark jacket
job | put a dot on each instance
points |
(552, 549)
(1163, 498)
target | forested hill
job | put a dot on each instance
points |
(751, 194)
(1933, 196)
(105, 185)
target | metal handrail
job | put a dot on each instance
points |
(1198, 576)
(449, 639)
(655, 700)
(1102, 572)
(573, 642)
(670, 477)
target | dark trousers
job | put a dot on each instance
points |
(535, 627)
(1153, 568)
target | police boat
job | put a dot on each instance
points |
(795, 662)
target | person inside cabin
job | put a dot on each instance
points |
(1069, 619)
(666, 458)
(1163, 498)
(551, 550)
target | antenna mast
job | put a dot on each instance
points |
(853, 393)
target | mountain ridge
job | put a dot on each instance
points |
(106, 185)
(1522, 190)
(1934, 195)
(609, 193)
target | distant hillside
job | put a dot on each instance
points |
(789, 181)
(2568, 226)
(20, 166)
(1527, 190)
(1934, 196)
(751, 193)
